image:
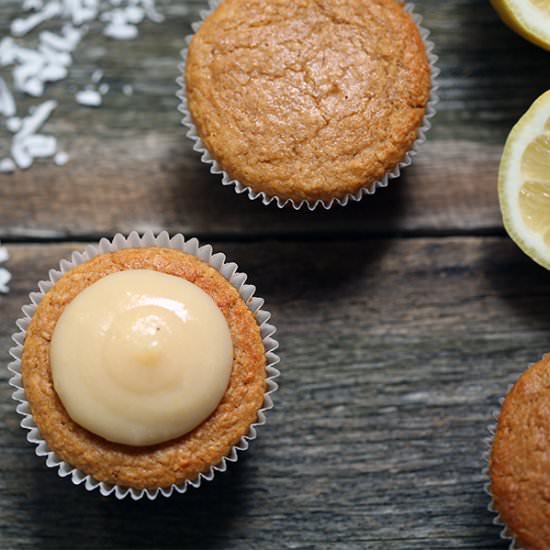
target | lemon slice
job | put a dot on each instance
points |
(524, 182)
(529, 18)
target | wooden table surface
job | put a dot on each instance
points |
(402, 319)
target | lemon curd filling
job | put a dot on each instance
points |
(534, 193)
(141, 357)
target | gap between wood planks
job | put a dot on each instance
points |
(232, 237)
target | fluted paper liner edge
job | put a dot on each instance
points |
(488, 441)
(134, 240)
(370, 189)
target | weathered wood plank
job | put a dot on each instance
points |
(394, 354)
(144, 193)
(132, 166)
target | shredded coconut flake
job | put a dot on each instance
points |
(36, 119)
(5, 278)
(40, 146)
(20, 27)
(55, 57)
(49, 60)
(32, 5)
(134, 14)
(13, 124)
(56, 42)
(7, 55)
(88, 98)
(81, 11)
(20, 155)
(33, 86)
(26, 144)
(151, 11)
(5, 275)
(120, 30)
(73, 34)
(52, 72)
(97, 75)
(7, 104)
(26, 55)
(61, 158)
(6, 167)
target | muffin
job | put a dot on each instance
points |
(520, 459)
(144, 367)
(308, 101)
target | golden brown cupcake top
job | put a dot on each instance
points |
(520, 459)
(182, 458)
(308, 99)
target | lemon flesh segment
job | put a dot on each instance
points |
(529, 18)
(534, 195)
(524, 182)
(542, 5)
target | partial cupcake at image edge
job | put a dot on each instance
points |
(308, 104)
(143, 365)
(518, 461)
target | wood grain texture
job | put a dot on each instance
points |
(133, 168)
(394, 354)
(402, 319)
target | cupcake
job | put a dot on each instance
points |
(308, 102)
(519, 461)
(144, 365)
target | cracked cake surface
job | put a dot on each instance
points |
(308, 99)
(520, 459)
(174, 461)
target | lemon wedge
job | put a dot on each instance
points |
(529, 18)
(524, 182)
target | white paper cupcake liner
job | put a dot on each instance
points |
(370, 189)
(505, 534)
(133, 240)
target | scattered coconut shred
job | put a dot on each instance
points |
(34, 68)
(5, 275)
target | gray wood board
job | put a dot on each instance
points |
(398, 337)
(133, 168)
(394, 355)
